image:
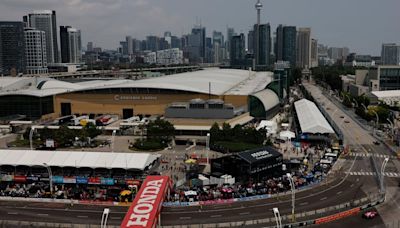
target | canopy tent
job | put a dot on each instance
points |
(285, 135)
(93, 160)
(311, 119)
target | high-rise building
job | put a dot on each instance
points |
(175, 42)
(390, 54)
(338, 54)
(196, 46)
(152, 43)
(45, 20)
(12, 47)
(218, 44)
(123, 49)
(314, 53)
(279, 43)
(89, 46)
(303, 46)
(129, 43)
(237, 53)
(250, 42)
(263, 52)
(71, 46)
(289, 44)
(35, 51)
(230, 32)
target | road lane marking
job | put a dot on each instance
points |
(82, 216)
(215, 216)
(339, 192)
(12, 213)
(244, 213)
(116, 218)
(324, 198)
(304, 203)
(185, 218)
(43, 214)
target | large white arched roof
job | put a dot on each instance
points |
(311, 119)
(268, 98)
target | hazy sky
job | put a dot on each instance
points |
(362, 25)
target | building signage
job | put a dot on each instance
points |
(261, 154)
(69, 180)
(81, 180)
(58, 179)
(129, 97)
(146, 207)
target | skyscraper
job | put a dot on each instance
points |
(250, 42)
(129, 43)
(196, 45)
(237, 53)
(289, 45)
(35, 46)
(45, 20)
(230, 32)
(70, 44)
(390, 54)
(263, 52)
(152, 43)
(89, 46)
(218, 44)
(314, 53)
(12, 47)
(279, 43)
(303, 48)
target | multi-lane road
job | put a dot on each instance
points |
(356, 179)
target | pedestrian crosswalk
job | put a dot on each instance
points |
(386, 174)
(371, 154)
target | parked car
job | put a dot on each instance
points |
(370, 214)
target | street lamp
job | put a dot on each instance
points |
(377, 118)
(31, 136)
(208, 146)
(113, 140)
(384, 163)
(290, 178)
(392, 126)
(104, 218)
(50, 178)
(278, 218)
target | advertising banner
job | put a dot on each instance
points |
(32, 178)
(69, 180)
(58, 179)
(7, 178)
(94, 180)
(107, 181)
(20, 179)
(146, 207)
(132, 182)
(81, 180)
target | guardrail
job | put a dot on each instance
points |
(321, 216)
(10, 223)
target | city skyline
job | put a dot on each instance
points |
(344, 24)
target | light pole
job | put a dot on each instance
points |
(384, 163)
(392, 127)
(377, 119)
(104, 218)
(355, 102)
(50, 178)
(208, 146)
(290, 178)
(113, 140)
(278, 218)
(31, 136)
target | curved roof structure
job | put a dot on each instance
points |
(311, 119)
(213, 80)
(138, 161)
(268, 98)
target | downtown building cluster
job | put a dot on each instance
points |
(31, 46)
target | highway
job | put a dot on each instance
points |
(355, 179)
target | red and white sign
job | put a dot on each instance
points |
(146, 207)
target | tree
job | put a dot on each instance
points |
(215, 133)
(91, 130)
(160, 130)
(64, 136)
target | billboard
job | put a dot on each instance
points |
(146, 207)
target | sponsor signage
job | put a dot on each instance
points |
(32, 178)
(69, 180)
(130, 97)
(337, 216)
(146, 207)
(81, 180)
(57, 179)
(107, 181)
(132, 182)
(261, 154)
(7, 178)
(20, 179)
(94, 180)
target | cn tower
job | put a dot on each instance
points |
(257, 49)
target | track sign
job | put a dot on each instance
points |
(146, 207)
